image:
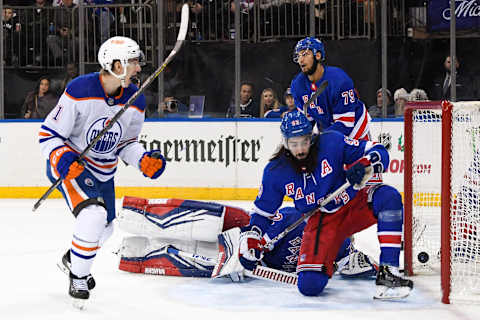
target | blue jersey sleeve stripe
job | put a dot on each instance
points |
(46, 139)
(261, 212)
(44, 127)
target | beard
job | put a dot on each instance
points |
(312, 70)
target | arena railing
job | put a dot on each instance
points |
(50, 38)
(270, 20)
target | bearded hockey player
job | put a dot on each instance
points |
(307, 169)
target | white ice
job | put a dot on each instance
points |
(32, 287)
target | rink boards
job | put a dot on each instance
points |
(206, 158)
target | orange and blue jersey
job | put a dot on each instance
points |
(82, 111)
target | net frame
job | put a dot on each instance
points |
(452, 225)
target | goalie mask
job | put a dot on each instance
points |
(122, 49)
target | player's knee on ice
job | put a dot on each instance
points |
(311, 283)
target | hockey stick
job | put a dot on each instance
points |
(260, 272)
(180, 39)
(307, 215)
(318, 92)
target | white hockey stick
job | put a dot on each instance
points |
(260, 272)
(180, 39)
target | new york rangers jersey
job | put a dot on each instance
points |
(337, 108)
(83, 110)
(284, 255)
(307, 190)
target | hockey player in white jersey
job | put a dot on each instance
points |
(87, 105)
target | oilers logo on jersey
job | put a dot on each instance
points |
(110, 139)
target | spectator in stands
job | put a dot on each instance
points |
(418, 95)
(103, 17)
(172, 108)
(61, 43)
(11, 33)
(400, 97)
(40, 101)
(440, 89)
(376, 111)
(248, 107)
(59, 85)
(37, 30)
(289, 101)
(58, 3)
(269, 105)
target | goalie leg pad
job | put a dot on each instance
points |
(228, 259)
(172, 219)
(141, 255)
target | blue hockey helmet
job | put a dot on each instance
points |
(310, 43)
(295, 124)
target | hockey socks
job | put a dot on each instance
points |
(88, 229)
(388, 208)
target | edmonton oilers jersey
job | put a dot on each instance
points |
(82, 111)
(309, 189)
(337, 108)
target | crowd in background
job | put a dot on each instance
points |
(50, 37)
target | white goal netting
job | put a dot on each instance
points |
(463, 183)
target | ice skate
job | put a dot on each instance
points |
(390, 285)
(78, 290)
(65, 265)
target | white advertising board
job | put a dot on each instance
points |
(200, 154)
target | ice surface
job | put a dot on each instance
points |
(32, 287)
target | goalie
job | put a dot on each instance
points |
(203, 239)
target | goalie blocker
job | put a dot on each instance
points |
(167, 242)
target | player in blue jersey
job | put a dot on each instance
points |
(88, 103)
(192, 226)
(307, 169)
(338, 107)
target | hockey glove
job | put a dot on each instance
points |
(362, 170)
(251, 249)
(152, 164)
(66, 163)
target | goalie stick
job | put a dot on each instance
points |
(318, 92)
(180, 39)
(260, 272)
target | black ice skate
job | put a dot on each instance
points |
(390, 285)
(78, 291)
(65, 265)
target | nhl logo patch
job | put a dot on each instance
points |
(89, 182)
(110, 101)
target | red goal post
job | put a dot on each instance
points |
(442, 195)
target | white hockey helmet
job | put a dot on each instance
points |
(118, 48)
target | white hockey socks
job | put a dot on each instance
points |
(88, 229)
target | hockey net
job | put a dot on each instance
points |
(442, 195)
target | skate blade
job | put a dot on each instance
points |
(386, 293)
(79, 303)
(62, 268)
